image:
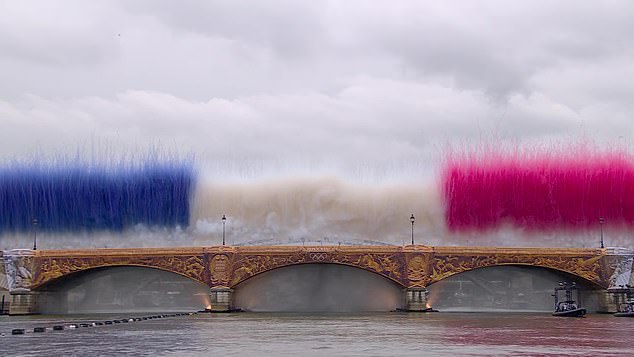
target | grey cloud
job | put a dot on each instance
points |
(372, 122)
(342, 83)
(53, 34)
(497, 47)
(289, 27)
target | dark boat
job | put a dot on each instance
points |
(429, 309)
(567, 307)
(624, 314)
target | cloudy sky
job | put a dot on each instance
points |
(337, 84)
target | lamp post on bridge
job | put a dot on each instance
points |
(34, 225)
(224, 219)
(601, 221)
(412, 219)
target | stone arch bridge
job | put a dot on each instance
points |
(224, 267)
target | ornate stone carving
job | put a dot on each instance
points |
(414, 267)
(4, 282)
(247, 266)
(18, 265)
(219, 268)
(54, 267)
(622, 271)
(386, 264)
(587, 267)
(418, 270)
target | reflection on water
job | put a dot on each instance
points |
(256, 334)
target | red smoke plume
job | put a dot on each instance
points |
(538, 189)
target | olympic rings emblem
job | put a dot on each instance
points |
(320, 257)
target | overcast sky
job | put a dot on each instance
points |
(342, 84)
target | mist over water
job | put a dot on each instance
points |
(505, 288)
(123, 289)
(318, 288)
(338, 288)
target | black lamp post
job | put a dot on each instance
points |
(412, 219)
(34, 224)
(224, 219)
(601, 221)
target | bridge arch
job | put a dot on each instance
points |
(508, 287)
(589, 281)
(313, 287)
(70, 275)
(592, 269)
(243, 278)
(119, 288)
(51, 269)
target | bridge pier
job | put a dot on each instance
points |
(220, 298)
(606, 302)
(415, 299)
(23, 302)
(18, 267)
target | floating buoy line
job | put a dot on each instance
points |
(39, 329)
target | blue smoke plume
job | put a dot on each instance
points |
(67, 195)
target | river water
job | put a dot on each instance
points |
(289, 334)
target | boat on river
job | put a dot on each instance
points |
(568, 306)
(569, 309)
(625, 313)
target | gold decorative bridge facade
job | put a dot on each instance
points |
(223, 268)
(408, 266)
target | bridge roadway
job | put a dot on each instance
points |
(222, 268)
